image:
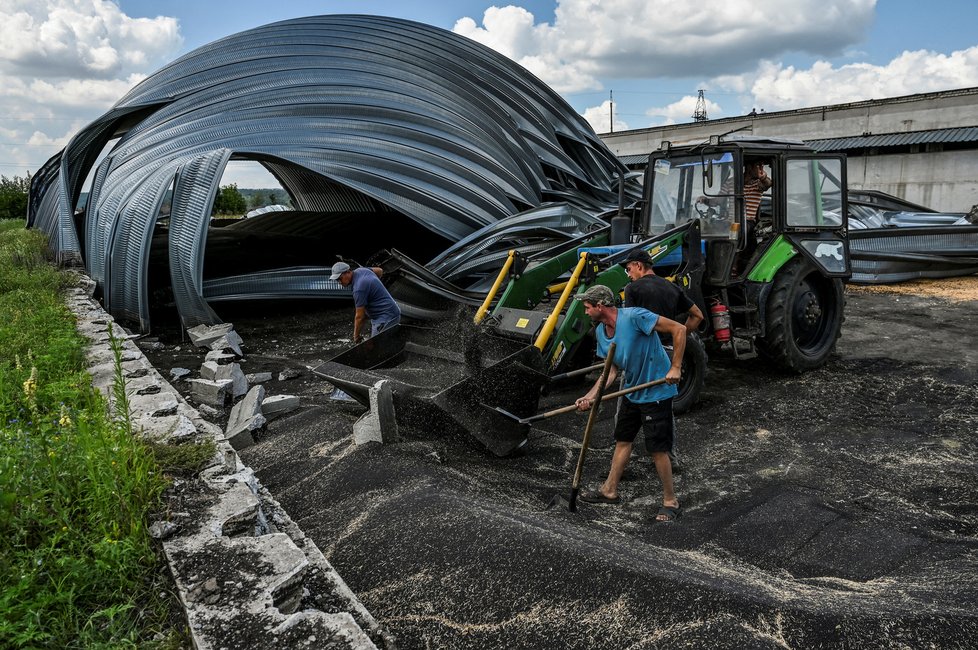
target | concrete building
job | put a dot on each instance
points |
(923, 148)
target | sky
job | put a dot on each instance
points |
(63, 63)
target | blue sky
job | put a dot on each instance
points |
(65, 62)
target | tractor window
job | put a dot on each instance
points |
(814, 193)
(677, 183)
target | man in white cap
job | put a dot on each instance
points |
(640, 356)
(370, 297)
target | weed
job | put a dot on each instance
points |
(77, 563)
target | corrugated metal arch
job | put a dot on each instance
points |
(351, 113)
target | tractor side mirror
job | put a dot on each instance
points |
(708, 171)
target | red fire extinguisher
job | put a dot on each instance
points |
(721, 321)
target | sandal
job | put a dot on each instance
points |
(668, 514)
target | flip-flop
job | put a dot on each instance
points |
(671, 514)
(597, 497)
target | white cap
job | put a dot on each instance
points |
(339, 269)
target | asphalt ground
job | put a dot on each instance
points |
(835, 509)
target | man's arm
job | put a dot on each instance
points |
(678, 333)
(358, 320)
(585, 403)
(379, 272)
(694, 319)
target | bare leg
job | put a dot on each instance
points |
(663, 467)
(623, 451)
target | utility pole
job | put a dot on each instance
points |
(699, 114)
(611, 108)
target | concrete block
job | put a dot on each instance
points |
(230, 341)
(279, 404)
(203, 335)
(246, 418)
(378, 424)
(219, 356)
(258, 377)
(213, 393)
(215, 372)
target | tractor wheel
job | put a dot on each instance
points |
(694, 374)
(804, 317)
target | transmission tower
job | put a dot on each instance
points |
(699, 113)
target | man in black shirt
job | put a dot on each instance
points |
(661, 297)
(656, 294)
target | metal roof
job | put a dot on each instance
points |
(960, 134)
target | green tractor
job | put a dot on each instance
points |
(784, 300)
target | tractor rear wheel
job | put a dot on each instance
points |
(804, 317)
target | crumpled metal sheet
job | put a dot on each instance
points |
(351, 113)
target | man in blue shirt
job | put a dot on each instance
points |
(370, 297)
(640, 356)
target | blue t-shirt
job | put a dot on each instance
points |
(369, 292)
(638, 353)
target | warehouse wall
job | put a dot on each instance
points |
(943, 180)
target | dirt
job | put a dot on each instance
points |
(834, 509)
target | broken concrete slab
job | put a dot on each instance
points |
(213, 393)
(275, 405)
(378, 424)
(214, 372)
(246, 418)
(289, 373)
(203, 335)
(230, 341)
(258, 377)
(220, 357)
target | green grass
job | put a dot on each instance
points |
(77, 565)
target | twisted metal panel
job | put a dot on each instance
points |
(193, 196)
(351, 114)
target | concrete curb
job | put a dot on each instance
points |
(246, 574)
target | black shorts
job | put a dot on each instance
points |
(655, 419)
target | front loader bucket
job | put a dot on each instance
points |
(443, 380)
(512, 384)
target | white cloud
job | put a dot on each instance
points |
(681, 111)
(777, 87)
(65, 62)
(665, 38)
(599, 117)
(81, 38)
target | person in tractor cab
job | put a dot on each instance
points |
(370, 298)
(659, 296)
(756, 182)
(639, 355)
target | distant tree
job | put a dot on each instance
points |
(229, 201)
(271, 199)
(13, 197)
(256, 201)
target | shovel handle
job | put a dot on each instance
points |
(591, 418)
(573, 407)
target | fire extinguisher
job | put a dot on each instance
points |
(721, 321)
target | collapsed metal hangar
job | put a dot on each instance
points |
(383, 131)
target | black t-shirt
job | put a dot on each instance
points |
(659, 296)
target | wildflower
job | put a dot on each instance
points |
(17, 362)
(65, 419)
(64, 529)
(51, 454)
(30, 387)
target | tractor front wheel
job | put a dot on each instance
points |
(804, 317)
(693, 374)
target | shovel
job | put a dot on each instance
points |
(591, 418)
(573, 407)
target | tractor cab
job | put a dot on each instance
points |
(805, 206)
(776, 251)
